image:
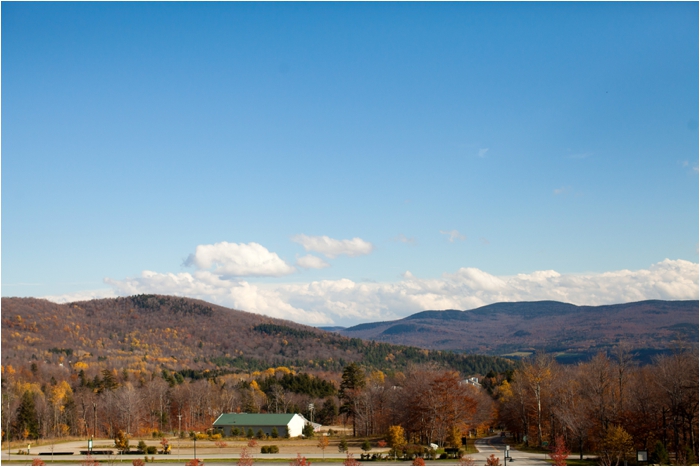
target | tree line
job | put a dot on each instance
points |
(607, 405)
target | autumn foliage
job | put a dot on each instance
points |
(300, 460)
(559, 452)
(245, 458)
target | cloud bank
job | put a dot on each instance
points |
(331, 248)
(346, 302)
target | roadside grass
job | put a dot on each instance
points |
(577, 461)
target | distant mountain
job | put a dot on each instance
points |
(331, 328)
(154, 332)
(571, 332)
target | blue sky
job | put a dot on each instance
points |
(476, 152)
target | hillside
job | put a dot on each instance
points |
(151, 333)
(573, 332)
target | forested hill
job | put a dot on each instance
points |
(153, 332)
(571, 332)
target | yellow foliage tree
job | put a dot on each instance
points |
(396, 438)
(617, 446)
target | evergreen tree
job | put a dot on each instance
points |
(27, 421)
(353, 380)
(274, 433)
(328, 412)
(308, 430)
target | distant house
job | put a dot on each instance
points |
(474, 381)
(292, 423)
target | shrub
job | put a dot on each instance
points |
(38, 461)
(274, 432)
(235, 432)
(260, 434)
(89, 460)
(418, 461)
(245, 458)
(138, 462)
(142, 446)
(151, 450)
(493, 460)
(215, 437)
(349, 460)
(466, 460)
(194, 462)
(300, 461)
(250, 433)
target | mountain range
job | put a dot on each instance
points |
(519, 328)
(153, 333)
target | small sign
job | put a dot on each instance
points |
(90, 444)
(642, 456)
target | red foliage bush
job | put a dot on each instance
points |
(300, 461)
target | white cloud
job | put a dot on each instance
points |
(562, 190)
(82, 296)
(453, 234)
(347, 302)
(483, 151)
(311, 262)
(330, 247)
(204, 285)
(239, 259)
(403, 239)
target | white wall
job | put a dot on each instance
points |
(296, 425)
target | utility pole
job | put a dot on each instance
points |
(94, 421)
(179, 432)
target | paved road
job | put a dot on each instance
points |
(495, 445)
(486, 447)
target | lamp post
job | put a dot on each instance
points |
(195, 444)
(505, 455)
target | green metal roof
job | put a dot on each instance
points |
(254, 419)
